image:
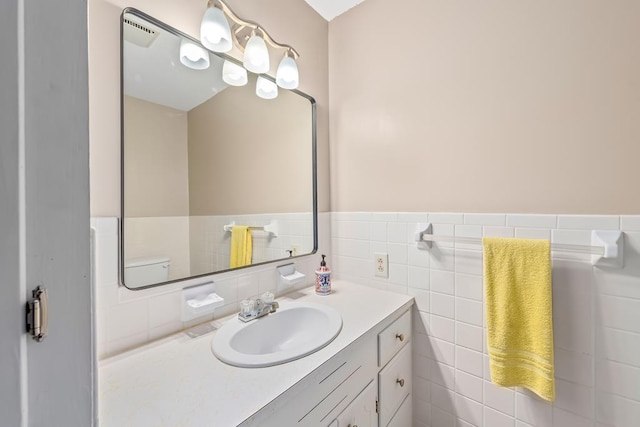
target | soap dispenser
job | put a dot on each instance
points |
(323, 278)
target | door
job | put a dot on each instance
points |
(44, 212)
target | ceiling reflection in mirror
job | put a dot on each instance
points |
(213, 176)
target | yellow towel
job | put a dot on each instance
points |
(517, 284)
(241, 246)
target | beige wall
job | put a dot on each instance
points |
(489, 106)
(157, 165)
(272, 141)
(307, 33)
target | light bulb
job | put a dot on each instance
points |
(266, 89)
(233, 74)
(215, 33)
(287, 76)
(193, 56)
(256, 55)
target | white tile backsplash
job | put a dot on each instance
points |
(597, 337)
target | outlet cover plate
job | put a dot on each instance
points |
(381, 264)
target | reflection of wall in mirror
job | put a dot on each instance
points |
(157, 183)
(267, 168)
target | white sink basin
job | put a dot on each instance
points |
(294, 331)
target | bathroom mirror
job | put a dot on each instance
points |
(202, 159)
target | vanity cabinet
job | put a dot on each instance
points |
(368, 384)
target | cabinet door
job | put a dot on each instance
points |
(395, 384)
(362, 411)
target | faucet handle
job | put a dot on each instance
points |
(267, 297)
(247, 307)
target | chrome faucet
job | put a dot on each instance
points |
(254, 309)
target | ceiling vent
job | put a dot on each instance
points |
(138, 34)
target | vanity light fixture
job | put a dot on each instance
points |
(193, 56)
(251, 39)
(256, 55)
(233, 74)
(215, 33)
(266, 89)
(287, 76)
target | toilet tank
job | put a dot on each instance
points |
(146, 271)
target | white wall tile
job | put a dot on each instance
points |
(469, 311)
(617, 411)
(533, 410)
(446, 218)
(469, 410)
(418, 277)
(485, 219)
(497, 419)
(468, 262)
(469, 336)
(498, 231)
(573, 366)
(398, 274)
(589, 222)
(443, 375)
(443, 305)
(630, 222)
(397, 253)
(442, 281)
(619, 313)
(563, 418)
(469, 386)
(469, 361)
(442, 258)
(126, 320)
(441, 418)
(620, 379)
(532, 221)
(469, 286)
(499, 398)
(442, 351)
(443, 328)
(618, 346)
(397, 232)
(417, 257)
(468, 231)
(378, 231)
(421, 298)
(533, 233)
(574, 398)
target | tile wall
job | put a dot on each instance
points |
(596, 317)
(127, 319)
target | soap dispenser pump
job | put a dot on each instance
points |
(323, 278)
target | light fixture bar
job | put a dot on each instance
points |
(250, 24)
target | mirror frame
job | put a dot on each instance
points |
(314, 155)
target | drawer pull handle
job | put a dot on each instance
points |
(400, 337)
(401, 382)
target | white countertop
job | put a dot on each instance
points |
(179, 382)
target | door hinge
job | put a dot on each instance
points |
(37, 314)
(377, 412)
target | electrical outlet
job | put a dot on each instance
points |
(381, 264)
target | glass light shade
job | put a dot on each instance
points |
(215, 33)
(256, 55)
(233, 74)
(287, 76)
(266, 89)
(193, 56)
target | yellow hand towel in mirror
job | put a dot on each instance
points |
(517, 286)
(241, 246)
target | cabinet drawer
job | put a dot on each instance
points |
(395, 384)
(393, 338)
(404, 416)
